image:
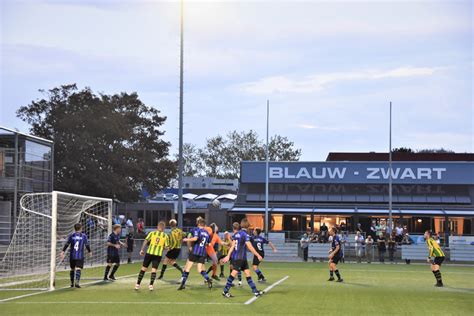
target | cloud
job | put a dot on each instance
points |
(330, 128)
(317, 82)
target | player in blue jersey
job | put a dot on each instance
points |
(200, 238)
(335, 255)
(78, 241)
(113, 257)
(238, 252)
(258, 243)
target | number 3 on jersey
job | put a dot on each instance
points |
(203, 242)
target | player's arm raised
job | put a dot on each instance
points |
(252, 250)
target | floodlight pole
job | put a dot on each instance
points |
(266, 170)
(390, 180)
(180, 153)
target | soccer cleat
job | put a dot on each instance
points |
(160, 277)
(262, 280)
(439, 284)
(215, 277)
(77, 286)
(150, 287)
(181, 287)
(209, 284)
(106, 279)
(258, 293)
(221, 275)
(112, 278)
(72, 284)
(331, 279)
(137, 287)
(227, 294)
(340, 280)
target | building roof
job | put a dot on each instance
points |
(208, 196)
(229, 196)
(398, 156)
(26, 135)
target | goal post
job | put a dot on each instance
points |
(32, 260)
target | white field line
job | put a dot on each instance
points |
(253, 299)
(376, 270)
(63, 288)
(134, 303)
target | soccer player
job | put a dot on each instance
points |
(200, 238)
(213, 231)
(241, 243)
(176, 239)
(436, 257)
(258, 242)
(223, 251)
(113, 257)
(235, 230)
(77, 240)
(335, 255)
(156, 242)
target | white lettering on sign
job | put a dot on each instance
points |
(405, 173)
(316, 173)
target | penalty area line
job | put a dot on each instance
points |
(62, 288)
(128, 303)
(253, 299)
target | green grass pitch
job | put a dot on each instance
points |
(397, 289)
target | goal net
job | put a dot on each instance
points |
(32, 260)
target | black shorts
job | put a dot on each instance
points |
(130, 248)
(173, 254)
(196, 259)
(336, 258)
(154, 260)
(240, 265)
(255, 260)
(76, 263)
(437, 260)
(113, 259)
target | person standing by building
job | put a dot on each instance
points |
(304, 244)
(399, 233)
(406, 241)
(324, 232)
(369, 248)
(382, 247)
(359, 246)
(130, 243)
(392, 247)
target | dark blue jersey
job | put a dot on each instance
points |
(258, 242)
(202, 241)
(113, 239)
(77, 242)
(336, 241)
(240, 250)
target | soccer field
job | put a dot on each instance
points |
(367, 289)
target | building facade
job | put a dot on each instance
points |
(427, 193)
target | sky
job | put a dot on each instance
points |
(329, 68)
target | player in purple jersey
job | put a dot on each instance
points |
(201, 238)
(113, 256)
(258, 243)
(78, 241)
(238, 252)
(335, 255)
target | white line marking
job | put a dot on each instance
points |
(253, 299)
(135, 303)
(63, 288)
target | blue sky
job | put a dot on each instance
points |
(329, 68)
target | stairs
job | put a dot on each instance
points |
(287, 252)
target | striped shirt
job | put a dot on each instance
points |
(224, 249)
(176, 238)
(434, 248)
(77, 241)
(240, 250)
(202, 241)
(157, 241)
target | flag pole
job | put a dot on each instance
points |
(266, 171)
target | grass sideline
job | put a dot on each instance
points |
(368, 289)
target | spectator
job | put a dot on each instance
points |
(324, 232)
(382, 247)
(140, 227)
(373, 230)
(369, 248)
(117, 220)
(343, 227)
(399, 233)
(406, 241)
(129, 240)
(129, 224)
(344, 240)
(304, 244)
(392, 246)
(359, 228)
(359, 246)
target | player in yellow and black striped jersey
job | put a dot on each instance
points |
(156, 241)
(224, 251)
(436, 257)
(176, 240)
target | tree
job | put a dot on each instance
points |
(436, 151)
(221, 156)
(104, 145)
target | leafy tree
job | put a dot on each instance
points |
(403, 150)
(435, 151)
(104, 145)
(221, 156)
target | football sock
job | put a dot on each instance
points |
(177, 267)
(114, 269)
(331, 273)
(239, 276)
(140, 276)
(163, 269)
(204, 275)
(184, 278)
(209, 270)
(71, 276)
(222, 269)
(230, 279)
(214, 269)
(437, 275)
(337, 274)
(251, 284)
(152, 278)
(259, 273)
(78, 276)
(107, 270)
